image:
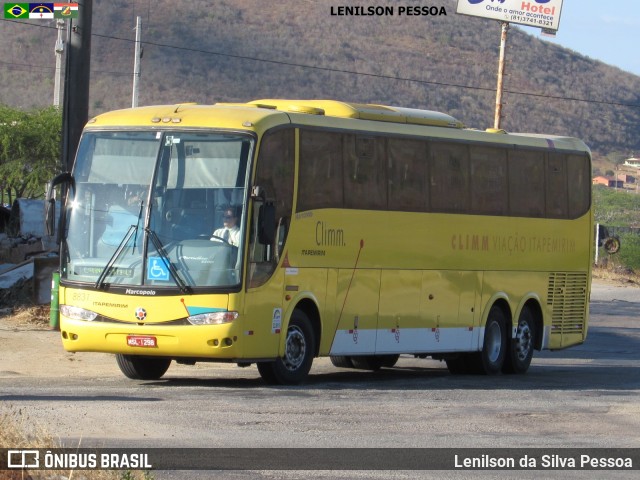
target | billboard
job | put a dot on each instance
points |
(543, 14)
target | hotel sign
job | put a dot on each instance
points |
(543, 14)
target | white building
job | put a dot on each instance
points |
(632, 162)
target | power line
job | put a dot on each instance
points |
(353, 72)
(373, 75)
(104, 72)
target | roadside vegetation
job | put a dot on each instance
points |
(29, 151)
(619, 211)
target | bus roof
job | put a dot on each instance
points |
(190, 115)
(257, 110)
(260, 115)
(362, 111)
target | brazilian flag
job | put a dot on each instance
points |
(16, 10)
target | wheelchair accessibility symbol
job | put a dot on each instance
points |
(157, 269)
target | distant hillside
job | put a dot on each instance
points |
(445, 63)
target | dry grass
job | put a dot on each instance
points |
(616, 274)
(18, 431)
(31, 315)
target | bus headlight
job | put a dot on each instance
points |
(77, 313)
(213, 318)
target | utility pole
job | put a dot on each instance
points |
(75, 111)
(503, 43)
(136, 64)
(59, 48)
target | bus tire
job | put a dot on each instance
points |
(520, 349)
(459, 365)
(341, 361)
(367, 362)
(374, 362)
(490, 360)
(138, 367)
(388, 361)
(293, 367)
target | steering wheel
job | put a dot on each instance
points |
(216, 237)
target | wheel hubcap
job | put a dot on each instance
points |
(494, 342)
(295, 349)
(523, 341)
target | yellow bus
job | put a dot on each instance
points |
(359, 232)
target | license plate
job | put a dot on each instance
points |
(142, 341)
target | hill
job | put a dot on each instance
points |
(240, 50)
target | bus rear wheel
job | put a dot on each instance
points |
(341, 361)
(521, 347)
(293, 367)
(138, 367)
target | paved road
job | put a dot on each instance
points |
(577, 398)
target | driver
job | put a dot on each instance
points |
(230, 233)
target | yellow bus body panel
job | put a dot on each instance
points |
(119, 311)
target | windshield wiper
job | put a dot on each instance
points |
(123, 244)
(184, 288)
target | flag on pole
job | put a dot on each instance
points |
(41, 11)
(16, 10)
(65, 10)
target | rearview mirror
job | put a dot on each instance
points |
(65, 179)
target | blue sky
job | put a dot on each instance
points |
(606, 30)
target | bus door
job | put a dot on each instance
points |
(268, 231)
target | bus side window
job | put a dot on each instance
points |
(557, 199)
(274, 174)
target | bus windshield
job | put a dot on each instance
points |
(157, 209)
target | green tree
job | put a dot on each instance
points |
(630, 251)
(29, 150)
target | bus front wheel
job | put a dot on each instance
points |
(490, 360)
(293, 367)
(142, 368)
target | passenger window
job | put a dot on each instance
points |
(579, 185)
(488, 181)
(449, 186)
(320, 181)
(365, 173)
(526, 184)
(408, 170)
(556, 186)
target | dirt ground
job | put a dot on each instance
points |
(29, 347)
(34, 349)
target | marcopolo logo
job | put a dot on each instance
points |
(141, 313)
